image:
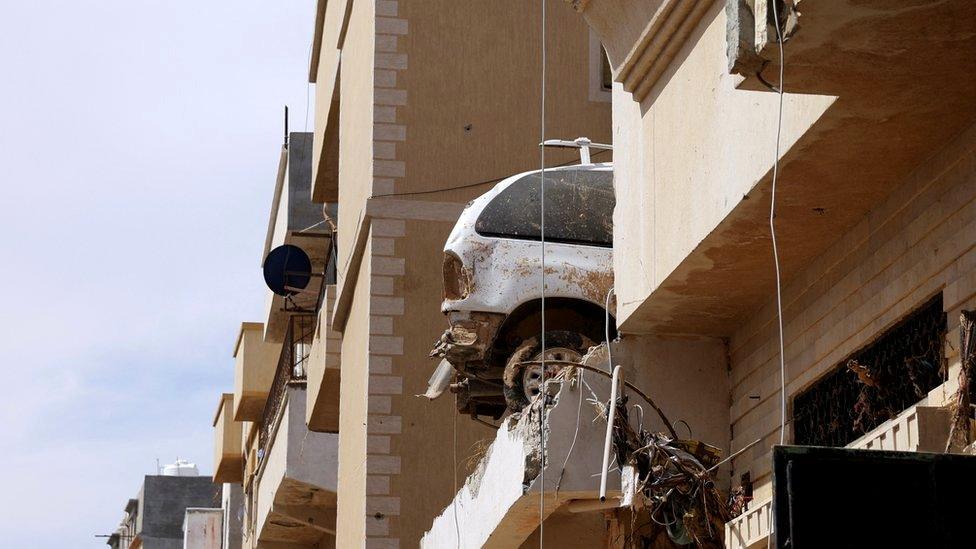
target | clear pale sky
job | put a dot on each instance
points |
(138, 147)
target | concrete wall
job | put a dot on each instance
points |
(163, 502)
(434, 94)
(294, 210)
(255, 363)
(356, 128)
(565, 529)
(686, 156)
(301, 467)
(411, 443)
(688, 378)
(312, 457)
(153, 542)
(915, 244)
(322, 410)
(353, 396)
(472, 89)
(228, 451)
(232, 503)
(302, 213)
(203, 529)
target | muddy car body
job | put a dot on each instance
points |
(493, 280)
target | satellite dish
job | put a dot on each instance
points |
(287, 270)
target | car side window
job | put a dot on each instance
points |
(579, 208)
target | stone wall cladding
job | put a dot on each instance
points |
(388, 64)
(916, 243)
(384, 422)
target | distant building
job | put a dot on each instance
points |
(154, 518)
(203, 528)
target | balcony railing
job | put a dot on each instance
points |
(291, 369)
(917, 429)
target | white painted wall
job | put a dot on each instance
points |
(203, 528)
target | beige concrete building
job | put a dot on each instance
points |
(871, 150)
(421, 106)
(874, 207)
(417, 103)
(279, 478)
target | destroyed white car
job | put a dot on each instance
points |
(493, 285)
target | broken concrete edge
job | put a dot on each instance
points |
(750, 37)
(500, 503)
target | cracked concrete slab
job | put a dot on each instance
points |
(499, 505)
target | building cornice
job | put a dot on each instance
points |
(659, 43)
(640, 59)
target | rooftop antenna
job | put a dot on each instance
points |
(582, 143)
(286, 125)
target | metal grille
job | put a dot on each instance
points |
(876, 383)
(292, 368)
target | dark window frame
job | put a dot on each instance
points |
(905, 362)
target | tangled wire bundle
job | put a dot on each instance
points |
(677, 501)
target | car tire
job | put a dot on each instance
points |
(560, 345)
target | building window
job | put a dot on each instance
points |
(876, 383)
(601, 73)
(605, 71)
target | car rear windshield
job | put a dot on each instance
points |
(579, 208)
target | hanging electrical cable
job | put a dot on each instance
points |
(542, 238)
(772, 232)
(457, 525)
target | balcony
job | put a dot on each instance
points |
(298, 221)
(696, 225)
(920, 428)
(323, 370)
(253, 371)
(228, 443)
(498, 506)
(750, 529)
(293, 495)
(290, 370)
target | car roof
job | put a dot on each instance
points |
(478, 203)
(504, 183)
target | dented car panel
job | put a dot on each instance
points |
(468, 337)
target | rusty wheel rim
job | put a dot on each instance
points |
(532, 374)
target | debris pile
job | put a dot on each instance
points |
(960, 434)
(677, 503)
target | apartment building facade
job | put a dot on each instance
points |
(874, 207)
(279, 478)
(872, 202)
(420, 106)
